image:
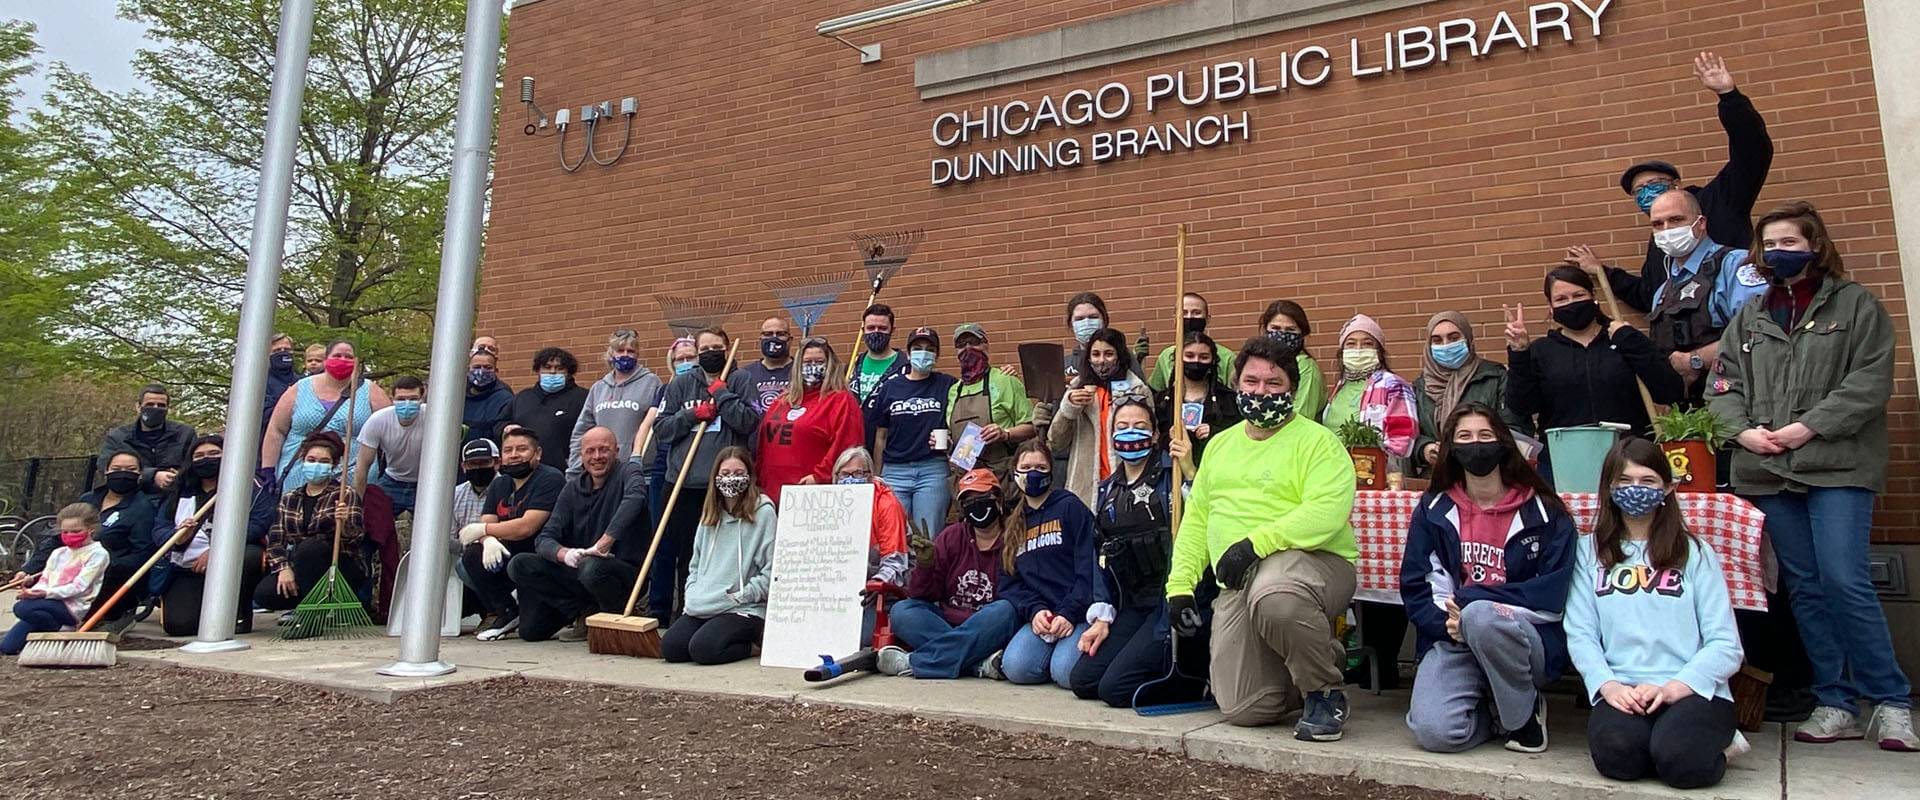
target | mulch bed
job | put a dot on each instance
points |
(149, 731)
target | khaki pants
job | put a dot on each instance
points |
(1274, 639)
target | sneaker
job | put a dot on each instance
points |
(1828, 724)
(1531, 736)
(1892, 728)
(498, 626)
(990, 668)
(1325, 719)
(893, 661)
(284, 618)
(577, 632)
(119, 625)
(145, 610)
(1739, 747)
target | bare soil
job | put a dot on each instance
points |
(149, 731)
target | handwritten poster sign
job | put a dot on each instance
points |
(819, 568)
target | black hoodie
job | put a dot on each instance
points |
(583, 513)
(550, 417)
(1566, 384)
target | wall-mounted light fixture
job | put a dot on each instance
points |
(834, 28)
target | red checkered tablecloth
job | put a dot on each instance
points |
(1728, 524)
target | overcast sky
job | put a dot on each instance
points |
(83, 33)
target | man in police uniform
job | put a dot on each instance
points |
(1706, 283)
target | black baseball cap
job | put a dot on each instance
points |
(925, 334)
(1662, 167)
(480, 450)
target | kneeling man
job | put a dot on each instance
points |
(584, 560)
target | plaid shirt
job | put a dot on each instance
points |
(468, 505)
(291, 526)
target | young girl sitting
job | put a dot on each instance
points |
(1051, 574)
(66, 587)
(731, 571)
(1650, 627)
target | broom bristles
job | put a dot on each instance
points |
(62, 650)
(622, 635)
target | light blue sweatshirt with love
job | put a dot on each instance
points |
(1635, 624)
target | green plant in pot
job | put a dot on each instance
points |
(1690, 438)
(1366, 446)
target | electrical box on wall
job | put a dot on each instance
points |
(591, 117)
(1888, 571)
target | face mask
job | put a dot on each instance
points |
(1676, 242)
(877, 341)
(1105, 372)
(406, 410)
(981, 511)
(1577, 315)
(1035, 483)
(552, 382)
(1193, 325)
(1288, 339)
(480, 476)
(480, 377)
(624, 364)
(1265, 410)
(316, 472)
(280, 362)
(922, 360)
(517, 471)
(712, 361)
(153, 417)
(1480, 458)
(1450, 355)
(813, 374)
(1197, 370)
(75, 539)
(973, 365)
(1643, 196)
(1788, 264)
(683, 367)
(1132, 444)
(1083, 328)
(338, 367)
(773, 348)
(123, 482)
(731, 486)
(1360, 359)
(205, 468)
(852, 480)
(1638, 501)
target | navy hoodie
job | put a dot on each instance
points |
(1057, 568)
(486, 412)
(1539, 563)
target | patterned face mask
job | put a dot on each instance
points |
(1266, 410)
(1132, 444)
(1638, 501)
(1288, 339)
(732, 486)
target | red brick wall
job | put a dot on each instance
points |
(760, 147)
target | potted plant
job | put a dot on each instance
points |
(1690, 437)
(1365, 446)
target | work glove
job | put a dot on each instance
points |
(1236, 565)
(1141, 346)
(493, 554)
(471, 532)
(705, 411)
(1183, 615)
(570, 556)
(716, 386)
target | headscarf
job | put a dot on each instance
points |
(1445, 386)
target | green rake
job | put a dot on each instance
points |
(332, 610)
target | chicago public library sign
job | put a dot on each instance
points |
(1000, 127)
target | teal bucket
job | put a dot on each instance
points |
(1577, 453)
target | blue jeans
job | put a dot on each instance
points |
(941, 650)
(1821, 540)
(35, 616)
(923, 490)
(401, 492)
(1030, 659)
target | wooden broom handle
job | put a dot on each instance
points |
(646, 565)
(1178, 379)
(1613, 310)
(350, 453)
(161, 552)
(859, 334)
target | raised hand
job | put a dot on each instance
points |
(1517, 338)
(1582, 256)
(1712, 72)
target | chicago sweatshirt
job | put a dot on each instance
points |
(617, 405)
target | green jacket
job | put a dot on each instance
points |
(1488, 387)
(1833, 373)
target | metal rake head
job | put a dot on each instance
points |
(807, 298)
(688, 314)
(885, 254)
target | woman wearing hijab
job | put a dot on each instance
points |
(1453, 374)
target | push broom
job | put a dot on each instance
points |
(625, 633)
(332, 610)
(84, 647)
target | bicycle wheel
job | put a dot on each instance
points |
(20, 545)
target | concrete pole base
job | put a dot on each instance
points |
(224, 646)
(416, 669)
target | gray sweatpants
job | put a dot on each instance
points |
(1501, 663)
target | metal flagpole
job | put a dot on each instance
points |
(220, 606)
(453, 321)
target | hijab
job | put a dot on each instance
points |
(1445, 386)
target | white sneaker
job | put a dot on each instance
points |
(893, 661)
(990, 668)
(1892, 728)
(1828, 724)
(1739, 747)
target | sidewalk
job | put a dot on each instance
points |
(1377, 745)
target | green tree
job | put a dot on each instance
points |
(36, 291)
(167, 178)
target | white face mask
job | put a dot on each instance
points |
(1676, 242)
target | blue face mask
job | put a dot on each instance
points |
(1132, 444)
(1638, 501)
(480, 377)
(315, 472)
(1451, 355)
(1644, 195)
(1788, 264)
(1035, 483)
(406, 410)
(922, 360)
(624, 364)
(683, 367)
(851, 480)
(1083, 328)
(552, 382)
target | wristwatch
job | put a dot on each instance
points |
(1693, 361)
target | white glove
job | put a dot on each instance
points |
(570, 556)
(471, 532)
(493, 554)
